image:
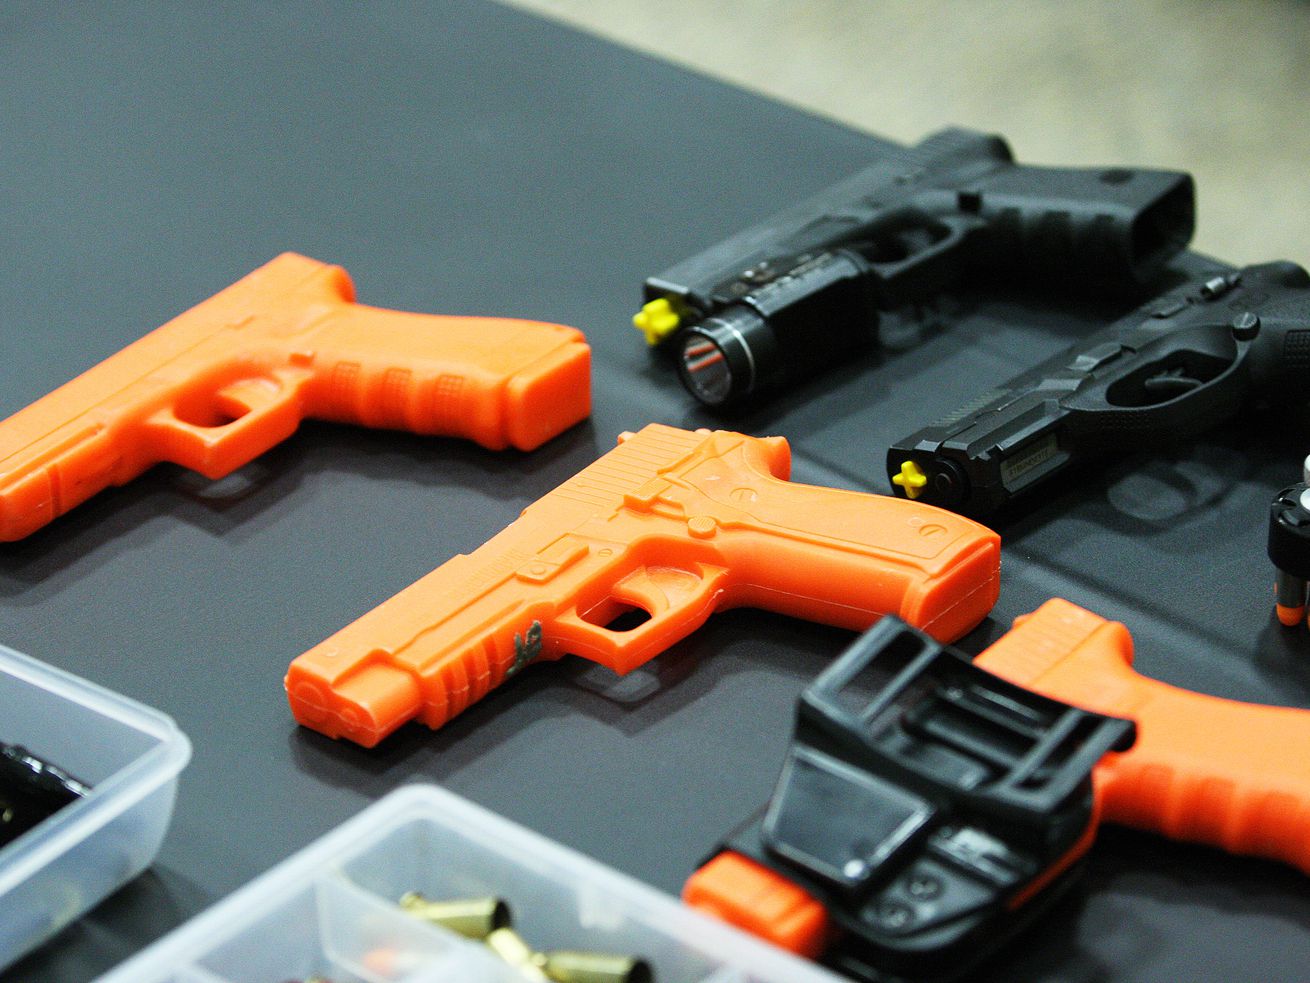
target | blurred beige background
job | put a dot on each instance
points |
(1218, 88)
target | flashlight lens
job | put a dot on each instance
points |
(722, 356)
(705, 369)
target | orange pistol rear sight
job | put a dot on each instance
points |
(656, 535)
(220, 384)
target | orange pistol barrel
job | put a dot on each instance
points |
(1204, 769)
(220, 384)
(663, 530)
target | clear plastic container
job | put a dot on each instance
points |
(331, 910)
(129, 754)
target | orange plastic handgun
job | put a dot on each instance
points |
(1203, 769)
(220, 384)
(669, 526)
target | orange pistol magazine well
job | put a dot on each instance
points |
(663, 530)
(220, 384)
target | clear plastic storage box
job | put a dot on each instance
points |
(331, 910)
(129, 754)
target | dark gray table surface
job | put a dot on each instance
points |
(465, 158)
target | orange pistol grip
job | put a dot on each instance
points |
(223, 382)
(1204, 769)
(671, 524)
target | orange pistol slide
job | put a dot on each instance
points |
(670, 526)
(1202, 769)
(220, 384)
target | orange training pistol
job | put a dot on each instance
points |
(632, 554)
(220, 384)
(1204, 769)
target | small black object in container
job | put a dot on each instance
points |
(31, 790)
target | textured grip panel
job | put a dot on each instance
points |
(1296, 349)
(389, 396)
(1207, 770)
(1115, 225)
(497, 381)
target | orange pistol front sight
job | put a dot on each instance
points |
(220, 384)
(668, 527)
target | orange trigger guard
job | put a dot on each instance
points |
(678, 601)
(264, 416)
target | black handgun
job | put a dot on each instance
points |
(802, 291)
(1174, 368)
